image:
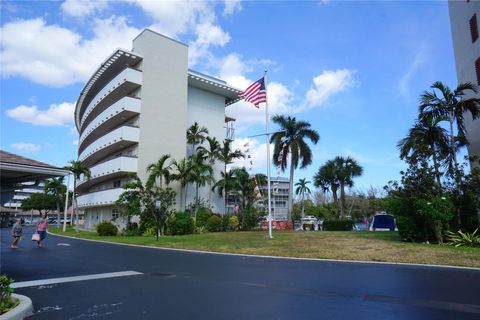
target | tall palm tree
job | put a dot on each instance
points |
(302, 189)
(211, 153)
(346, 170)
(226, 156)
(77, 168)
(182, 174)
(57, 188)
(201, 174)
(159, 170)
(196, 134)
(291, 141)
(326, 179)
(426, 139)
(451, 104)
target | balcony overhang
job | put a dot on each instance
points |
(215, 85)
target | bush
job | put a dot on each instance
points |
(464, 239)
(214, 224)
(132, 230)
(202, 217)
(106, 228)
(407, 229)
(338, 225)
(5, 294)
(180, 224)
(233, 223)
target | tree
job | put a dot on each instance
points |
(327, 179)
(346, 170)
(200, 174)
(182, 174)
(159, 171)
(226, 156)
(78, 169)
(56, 188)
(302, 189)
(426, 139)
(196, 134)
(40, 201)
(453, 105)
(211, 152)
(291, 141)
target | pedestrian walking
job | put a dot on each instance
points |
(41, 229)
(17, 231)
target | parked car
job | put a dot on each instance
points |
(383, 222)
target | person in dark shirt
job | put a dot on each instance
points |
(17, 231)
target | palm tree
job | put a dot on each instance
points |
(211, 153)
(196, 135)
(201, 174)
(291, 141)
(326, 179)
(346, 170)
(226, 156)
(451, 104)
(426, 138)
(182, 174)
(159, 171)
(56, 188)
(302, 189)
(77, 168)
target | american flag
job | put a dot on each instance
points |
(255, 93)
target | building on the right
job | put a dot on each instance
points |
(464, 20)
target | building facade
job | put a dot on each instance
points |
(279, 193)
(464, 20)
(136, 107)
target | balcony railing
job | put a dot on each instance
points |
(99, 198)
(117, 139)
(114, 115)
(127, 76)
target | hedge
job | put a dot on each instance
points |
(338, 225)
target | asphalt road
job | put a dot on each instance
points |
(182, 285)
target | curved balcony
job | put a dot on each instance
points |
(99, 198)
(122, 110)
(113, 141)
(125, 82)
(107, 170)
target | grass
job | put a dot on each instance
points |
(355, 245)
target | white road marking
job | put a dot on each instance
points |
(63, 244)
(43, 282)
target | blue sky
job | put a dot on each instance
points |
(354, 70)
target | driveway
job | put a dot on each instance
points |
(122, 282)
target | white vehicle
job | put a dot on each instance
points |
(310, 223)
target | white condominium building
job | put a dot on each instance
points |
(136, 107)
(464, 20)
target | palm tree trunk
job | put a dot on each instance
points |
(73, 200)
(303, 205)
(196, 201)
(181, 197)
(335, 197)
(452, 141)
(435, 164)
(290, 198)
(342, 198)
(58, 214)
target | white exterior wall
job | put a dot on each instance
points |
(466, 53)
(94, 216)
(208, 109)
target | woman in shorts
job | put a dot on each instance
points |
(42, 228)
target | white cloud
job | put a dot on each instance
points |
(418, 61)
(67, 58)
(83, 8)
(207, 35)
(55, 115)
(26, 147)
(75, 142)
(231, 6)
(327, 84)
(257, 152)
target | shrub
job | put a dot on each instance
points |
(106, 228)
(5, 294)
(202, 217)
(464, 239)
(338, 225)
(407, 229)
(150, 232)
(132, 230)
(214, 224)
(233, 223)
(181, 223)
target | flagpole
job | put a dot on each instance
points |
(267, 140)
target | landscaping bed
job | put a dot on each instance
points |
(354, 245)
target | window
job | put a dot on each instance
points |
(115, 214)
(477, 70)
(474, 28)
(116, 184)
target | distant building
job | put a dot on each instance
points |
(464, 20)
(136, 107)
(280, 191)
(24, 190)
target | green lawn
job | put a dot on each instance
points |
(355, 245)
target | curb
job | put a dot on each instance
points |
(439, 266)
(20, 312)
